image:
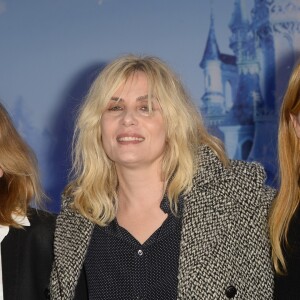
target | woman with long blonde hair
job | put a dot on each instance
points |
(26, 234)
(155, 209)
(285, 218)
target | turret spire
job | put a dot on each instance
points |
(239, 17)
(211, 50)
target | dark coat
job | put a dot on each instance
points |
(224, 251)
(27, 256)
(287, 287)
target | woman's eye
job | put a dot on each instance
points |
(115, 108)
(144, 108)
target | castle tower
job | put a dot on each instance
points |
(213, 98)
(238, 126)
(243, 45)
(265, 47)
(278, 23)
(239, 26)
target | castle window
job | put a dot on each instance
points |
(228, 96)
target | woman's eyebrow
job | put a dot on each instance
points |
(116, 99)
(140, 98)
(145, 97)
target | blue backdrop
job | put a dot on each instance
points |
(234, 56)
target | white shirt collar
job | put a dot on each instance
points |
(21, 220)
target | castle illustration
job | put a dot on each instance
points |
(244, 90)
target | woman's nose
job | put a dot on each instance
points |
(129, 118)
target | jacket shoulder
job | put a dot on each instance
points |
(41, 218)
(254, 171)
(41, 230)
(250, 177)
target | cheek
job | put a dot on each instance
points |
(161, 135)
(1, 172)
(106, 135)
(108, 147)
(106, 143)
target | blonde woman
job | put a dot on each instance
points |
(155, 209)
(26, 234)
(285, 216)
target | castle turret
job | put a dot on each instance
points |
(213, 98)
(262, 29)
(277, 25)
(239, 26)
(242, 43)
(238, 125)
(265, 51)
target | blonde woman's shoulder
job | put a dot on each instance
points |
(252, 177)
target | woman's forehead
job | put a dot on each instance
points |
(133, 80)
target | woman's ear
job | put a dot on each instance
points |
(1, 172)
(296, 123)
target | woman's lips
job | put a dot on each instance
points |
(129, 139)
(125, 138)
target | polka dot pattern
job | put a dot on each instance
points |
(119, 267)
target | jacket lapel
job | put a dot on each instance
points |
(206, 219)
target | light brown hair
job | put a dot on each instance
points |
(287, 199)
(20, 181)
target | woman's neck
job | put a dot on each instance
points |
(140, 185)
(139, 198)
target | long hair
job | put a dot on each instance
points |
(288, 196)
(20, 181)
(95, 182)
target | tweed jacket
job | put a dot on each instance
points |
(224, 251)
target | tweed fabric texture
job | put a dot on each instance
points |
(71, 239)
(224, 233)
(224, 240)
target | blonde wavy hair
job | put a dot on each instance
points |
(288, 196)
(95, 182)
(20, 183)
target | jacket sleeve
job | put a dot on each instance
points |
(71, 239)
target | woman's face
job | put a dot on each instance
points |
(296, 123)
(131, 135)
